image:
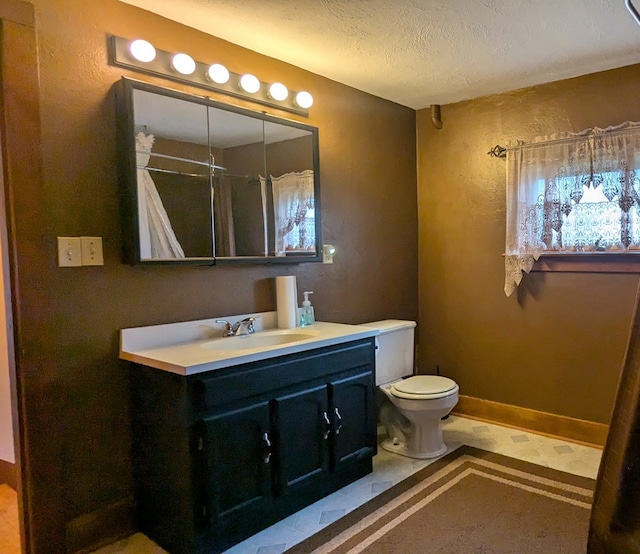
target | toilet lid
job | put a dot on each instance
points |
(424, 386)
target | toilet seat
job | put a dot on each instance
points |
(424, 387)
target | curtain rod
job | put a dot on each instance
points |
(172, 172)
(632, 9)
(501, 151)
(498, 152)
(179, 159)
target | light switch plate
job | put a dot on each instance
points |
(91, 250)
(69, 252)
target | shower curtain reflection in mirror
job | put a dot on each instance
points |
(239, 215)
(223, 217)
(157, 238)
(294, 212)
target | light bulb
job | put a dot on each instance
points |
(218, 73)
(142, 50)
(304, 99)
(278, 91)
(183, 63)
(249, 83)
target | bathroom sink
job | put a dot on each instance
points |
(263, 339)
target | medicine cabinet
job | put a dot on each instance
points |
(206, 182)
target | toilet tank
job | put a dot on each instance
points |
(394, 349)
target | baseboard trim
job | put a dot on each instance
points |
(552, 425)
(9, 474)
(107, 525)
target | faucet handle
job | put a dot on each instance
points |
(250, 324)
(227, 326)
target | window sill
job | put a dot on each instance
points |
(589, 262)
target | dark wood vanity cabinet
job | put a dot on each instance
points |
(220, 455)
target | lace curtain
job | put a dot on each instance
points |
(292, 199)
(571, 192)
(157, 238)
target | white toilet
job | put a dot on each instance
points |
(411, 407)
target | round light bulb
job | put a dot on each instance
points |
(249, 83)
(183, 63)
(278, 91)
(218, 73)
(304, 99)
(142, 50)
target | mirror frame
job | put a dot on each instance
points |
(127, 165)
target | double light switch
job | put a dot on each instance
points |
(78, 251)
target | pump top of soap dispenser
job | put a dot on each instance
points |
(307, 316)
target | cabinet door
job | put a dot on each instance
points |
(353, 420)
(238, 454)
(302, 426)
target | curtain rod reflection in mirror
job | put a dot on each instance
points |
(143, 56)
(172, 172)
(177, 158)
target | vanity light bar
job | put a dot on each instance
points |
(142, 56)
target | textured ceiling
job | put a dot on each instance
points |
(422, 52)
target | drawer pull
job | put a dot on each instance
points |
(338, 422)
(267, 448)
(327, 426)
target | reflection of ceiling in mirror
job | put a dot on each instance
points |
(169, 117)
(277, 133)
(185, 121)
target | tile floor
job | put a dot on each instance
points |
(389, 469)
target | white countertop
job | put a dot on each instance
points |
(188, 348)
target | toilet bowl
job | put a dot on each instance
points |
(410, 407)
(423, 401)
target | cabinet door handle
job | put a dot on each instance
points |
(338, 422)
(327, 426)
(267, 448)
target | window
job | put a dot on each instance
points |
(572, 194)
(592, 224)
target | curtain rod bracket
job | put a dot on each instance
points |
(498, 152)
(436, 118)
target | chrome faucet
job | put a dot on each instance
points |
(239, 328)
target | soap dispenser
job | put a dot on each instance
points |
(307, 317)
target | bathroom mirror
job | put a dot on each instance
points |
(207, 182)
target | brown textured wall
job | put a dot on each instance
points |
(557, 345)
(74, 387)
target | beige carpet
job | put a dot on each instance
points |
(470, 501)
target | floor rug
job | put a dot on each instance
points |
(469, 501)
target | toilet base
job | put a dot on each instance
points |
(401, 448)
